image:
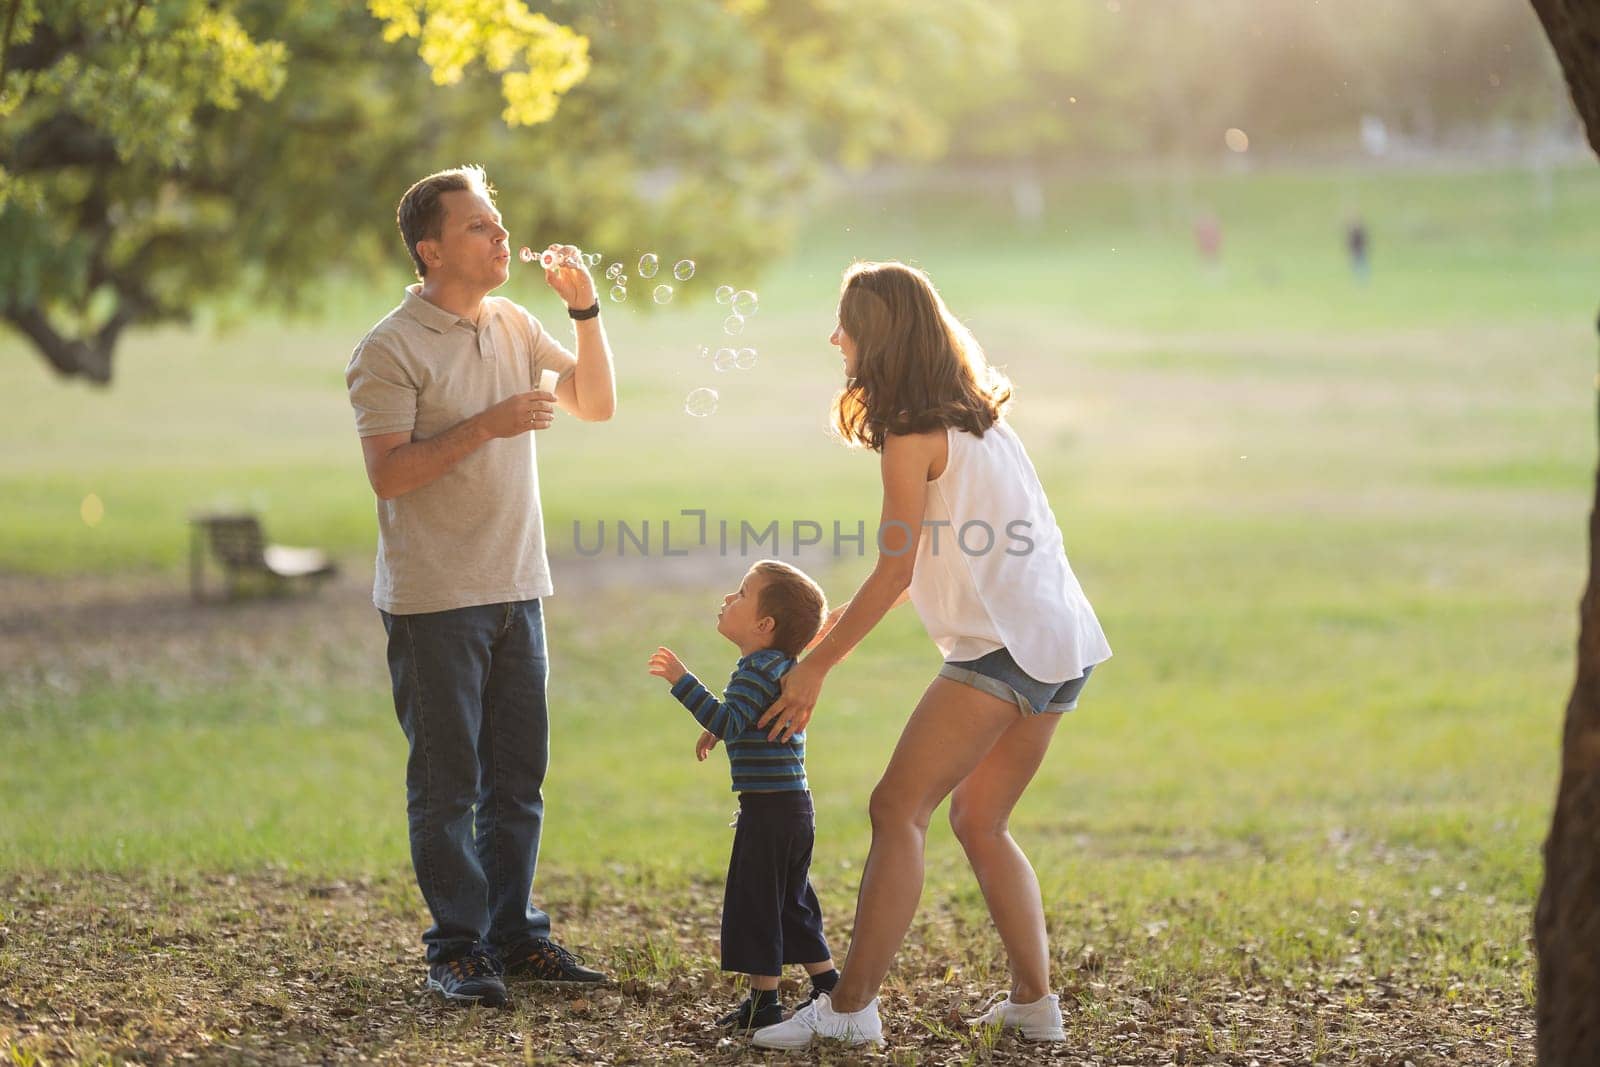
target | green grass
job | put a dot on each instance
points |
(1335, 533)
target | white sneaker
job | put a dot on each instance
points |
(818, 1019)
(1039, 1021)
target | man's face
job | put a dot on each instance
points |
(472, 245)
(740, 617)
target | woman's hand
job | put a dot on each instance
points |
(792, 710)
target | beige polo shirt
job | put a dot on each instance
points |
(475, 535)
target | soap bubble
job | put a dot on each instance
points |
(683, 270)
(526, 254)
(592, 259)
(614, 270)
(724, 293)
(745, 358)
(621, 279)
(663, 294)
(619, 293)
(744, 303)
(733, 325)
(724, 359)
(700, 402)
(703, 351)
(550, 260)
(648, 265)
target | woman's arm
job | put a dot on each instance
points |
(838, 613)
(906, 463)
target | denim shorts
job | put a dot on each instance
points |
(998, 675)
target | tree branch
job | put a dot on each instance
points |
(5, 43)
(90, 356)
(62, 140)
(71, 357)
(46, 46)
(133, 13)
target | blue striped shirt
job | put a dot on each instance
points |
(758, 765)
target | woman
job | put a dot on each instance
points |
(967, 535)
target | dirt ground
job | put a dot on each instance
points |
(272, 969)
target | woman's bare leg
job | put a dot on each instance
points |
(980, 810)
(951, 730)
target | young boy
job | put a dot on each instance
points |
(770, 915)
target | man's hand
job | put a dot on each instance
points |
(664, 663)
(703, 747)
(570, 278)
(518, 414)
(790, 713)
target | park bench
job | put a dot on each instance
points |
(237, 545)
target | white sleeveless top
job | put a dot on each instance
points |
(992, 569)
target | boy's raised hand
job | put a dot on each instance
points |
(703, 747)
(664, 663)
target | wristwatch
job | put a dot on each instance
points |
(585, 313)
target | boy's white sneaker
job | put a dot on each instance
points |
(1038, 1021)
(818, 1019)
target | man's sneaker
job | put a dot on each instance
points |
(1038, 1021)
(545, 961)
(818, 1019)
(750, 1016)
(469, 979)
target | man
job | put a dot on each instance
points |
(446, 401)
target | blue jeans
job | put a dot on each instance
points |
(469, 690)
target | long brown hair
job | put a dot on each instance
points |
(917, 367)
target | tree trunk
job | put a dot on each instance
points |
(1567, 921)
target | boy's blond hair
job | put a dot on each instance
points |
(794, 602)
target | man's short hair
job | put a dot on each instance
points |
(421, 216)
(793, 601)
